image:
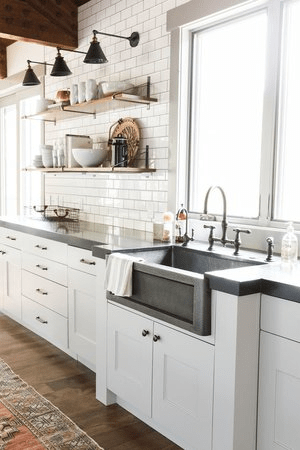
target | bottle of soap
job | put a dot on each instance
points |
(180, 224)
(289, 248)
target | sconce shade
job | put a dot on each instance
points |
(60, 68)
(30, 78)
(95, 54)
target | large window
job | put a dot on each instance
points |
(238, 110)
(227, 110)
(9, 161)
(287, 188)
(19, 141)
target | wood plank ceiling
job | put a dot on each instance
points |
(50, 22)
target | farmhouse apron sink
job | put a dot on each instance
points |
(170, 284)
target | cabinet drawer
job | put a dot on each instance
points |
(82, 260)
(46, 248)
(45, 323)
(281, 317)
(12, 238)
(46, 268)
(13, 255)
(45, 292)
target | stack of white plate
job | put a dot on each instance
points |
(37, 161)
(47, 156)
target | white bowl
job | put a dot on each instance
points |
(41, 105)
(89, 157)
(111, 87)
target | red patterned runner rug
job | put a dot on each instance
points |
(30, 422)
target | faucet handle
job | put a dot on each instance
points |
(211, 236)
(237, 240)
(241, 230)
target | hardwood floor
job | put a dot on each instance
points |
(71, 387)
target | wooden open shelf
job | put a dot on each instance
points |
(63, 110)
(90, 169)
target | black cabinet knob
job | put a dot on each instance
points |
(156, 338)
(145, 332)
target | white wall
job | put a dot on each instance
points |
(19, 52)
(125, 200)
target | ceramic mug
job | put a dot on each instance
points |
(74, 94)
(91, 90)
(81, 92)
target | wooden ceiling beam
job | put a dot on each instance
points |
(3, 62)
(52, 23)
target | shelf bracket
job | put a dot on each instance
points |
(79, 112)
(44, 120)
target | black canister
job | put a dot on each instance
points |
(121, 151)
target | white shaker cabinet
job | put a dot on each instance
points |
(2, 276)
(183, 386)
(279, 375)
(10, 272)
(165, 374)
(129, 357)
(11, 281)
(44, 289)
(82, 304)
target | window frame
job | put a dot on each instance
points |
(14, 97)
(182, 22)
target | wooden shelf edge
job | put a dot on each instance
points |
(92, 107)
(90, 169)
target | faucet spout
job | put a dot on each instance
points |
(224, 220)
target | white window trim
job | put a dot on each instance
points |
(181, 22)
(12, 92)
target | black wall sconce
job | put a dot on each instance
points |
(60, 69)
(30, 78)
(95, 54)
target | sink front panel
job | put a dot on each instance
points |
(166, 296)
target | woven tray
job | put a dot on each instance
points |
(129, 129)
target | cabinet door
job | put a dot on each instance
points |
(12, 283)
(279, 394)
(183, 387)
(2, 275)
(129, 365)
(82, 314)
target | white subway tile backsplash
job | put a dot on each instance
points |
(126, 200)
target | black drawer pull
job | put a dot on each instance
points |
(86, 261)
(156, 338)
(40, 247)
(2, 252)
(11, 238)
(39, 266)
(145, 333)
(39, 319)
(40, 291)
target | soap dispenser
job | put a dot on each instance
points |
(180, 224)
(289, 248)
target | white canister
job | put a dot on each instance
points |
(74, 94)
(91, 90)
(100, 90)
(81, 92)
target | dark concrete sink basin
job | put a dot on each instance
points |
(171, 285)
(192, 260)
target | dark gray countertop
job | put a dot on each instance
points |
(269, 278)
(80, 234)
